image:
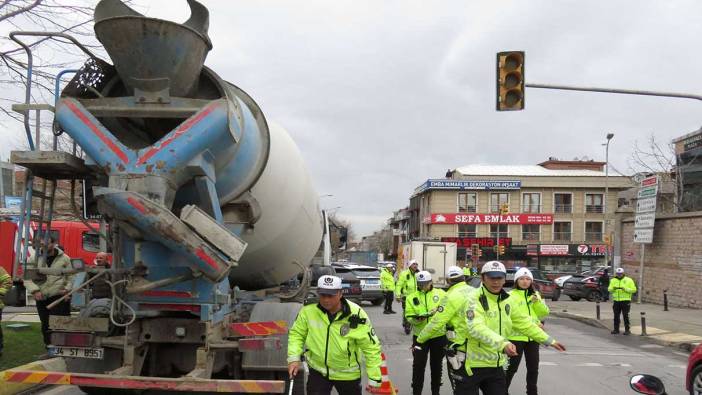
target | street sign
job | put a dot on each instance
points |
(643, 235)
(649, 181)
(647, 220)
(645, 192)
(646, 205)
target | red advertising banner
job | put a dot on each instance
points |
(467, 242)
(516, 219)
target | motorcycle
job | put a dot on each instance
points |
(647, 384)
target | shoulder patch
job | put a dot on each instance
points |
(470, 314)
(440, 309)
(507, 308)
(345, 329)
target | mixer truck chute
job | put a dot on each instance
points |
(205, 203)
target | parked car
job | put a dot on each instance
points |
(350, 284)
(693, 379)
(547, 288)
(583, 287)
(369, 277)
(599, 270)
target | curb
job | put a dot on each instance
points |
(683, 346)
(53, 365)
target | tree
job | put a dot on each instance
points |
(654, 157)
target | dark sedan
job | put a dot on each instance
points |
(351, 285)
(583, 287)
(547, 288)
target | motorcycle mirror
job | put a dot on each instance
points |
(647, 384)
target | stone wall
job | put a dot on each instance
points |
(672, 262)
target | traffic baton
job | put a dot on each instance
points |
(292, 381)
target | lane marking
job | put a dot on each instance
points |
(682, 354)
(651, 346)
(590, 364)
(625, 365)
(678, 366)
(544, 363)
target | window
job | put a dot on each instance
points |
(501, 233)
(466, 230)
(593, 231)
(91, 242)
(563, 202)
(593, 202)
(531, 203)
(467, 202)
(531, 232)
(561, 231)
(497, 200)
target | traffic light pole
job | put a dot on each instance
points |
(614, 90)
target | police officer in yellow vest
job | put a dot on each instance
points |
(406, 284)
(336, 333)
(491, 317)
(420, 307)
(450, 318)
(620, 289)
(387, 283)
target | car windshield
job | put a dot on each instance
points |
(366, 272)
(342, 269)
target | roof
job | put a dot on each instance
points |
(525, 170)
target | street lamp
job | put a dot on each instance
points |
(606, 216)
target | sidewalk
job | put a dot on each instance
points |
(679, 327)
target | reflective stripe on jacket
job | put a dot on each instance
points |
(406, 283)
(333, 348)
(536, 310)
(450, 316)
(491, 318)
(387, 281)
(621, 289)
(421, 306)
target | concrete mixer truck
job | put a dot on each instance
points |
(205, 204)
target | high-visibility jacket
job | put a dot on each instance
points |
(466, 271)
(421, 306)
(621, 289)
(52, 285)
(387, 281)
(334, 346)
(406, 283)
(490, 319)
(536, 310)
(5, 285)
(450, 317)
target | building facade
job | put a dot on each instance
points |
(555, 213)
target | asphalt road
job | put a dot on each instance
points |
(595, 363)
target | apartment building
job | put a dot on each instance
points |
(556, 212)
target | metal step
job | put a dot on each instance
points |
(51, 165)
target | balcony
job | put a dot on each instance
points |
(562, 236)
(594, 208)
(531, 208)
(593, 236)
(531, 236)
(563, 208)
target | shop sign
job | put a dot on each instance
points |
(553, 249)
(467, 242)
(516, 219)
(589, 249)
(483, 185)
(567, 249)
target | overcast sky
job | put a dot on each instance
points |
(380, 96)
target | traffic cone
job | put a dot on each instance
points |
(386, 386)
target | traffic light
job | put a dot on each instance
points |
(475, 250)
(504, 209)
(510, 81)
(501, 249)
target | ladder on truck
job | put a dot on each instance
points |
(45, 168)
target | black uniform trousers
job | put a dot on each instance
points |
(530, 350)
(388, 300)
(317, 384)
(623, 308)
(434, 350)
(63, 308)
(491, 381)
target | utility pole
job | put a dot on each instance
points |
(606, 212)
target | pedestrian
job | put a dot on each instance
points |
(621, 288)
(528, 301)
(5, 285)
(387, 283)
(337, 333)
(491, 316)
(421, 306)
(406, 285)
(603, 282)
(51, 287)
(450, 319)
(99, 288)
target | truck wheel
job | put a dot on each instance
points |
(575, 298)
(378, 302)
(556, 295)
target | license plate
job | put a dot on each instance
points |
(373, 281)
(76, 352)
(510, 276)
(570, 285)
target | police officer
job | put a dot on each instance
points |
(491, 317)
(620, 289)
(466, 269)
(406, 285)
(420, 307)
(336, 332)
(450, 318)
(387, 283)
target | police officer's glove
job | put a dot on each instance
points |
(373, 383)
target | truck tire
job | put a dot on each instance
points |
(575, 298)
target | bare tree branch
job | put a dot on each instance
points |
(19, 11)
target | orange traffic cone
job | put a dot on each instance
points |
(386, 386)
